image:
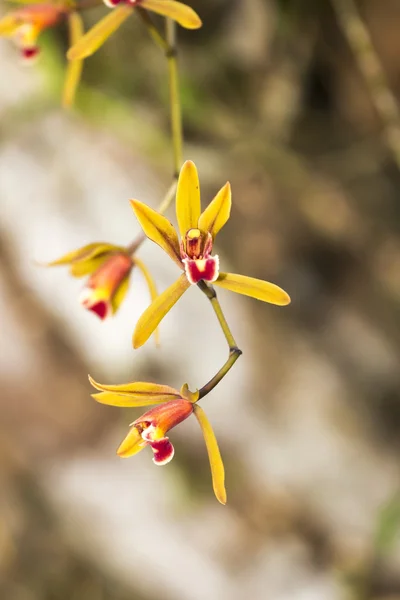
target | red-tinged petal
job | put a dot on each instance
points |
(181, 13)
(157, 310)
(157, 421)
(96, 36)
(132, 444)
(206, 269)
(214, 455)
(158, 229)
(163, 451)
(256, 288)
(74, 67)
(188, 198)
(217, 212)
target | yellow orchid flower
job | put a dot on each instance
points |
(193, 252)
(109, 268)
(25, 25)
(151, 428)
(95, 37)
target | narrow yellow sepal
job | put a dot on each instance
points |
(152, 289)
(188, 205)
(74, 67)
(85, 253)
(135, 393)
(157, 311)
(95, 37)
(217, 212)
(256, 288)
(181, 13)
(214, 455)
(131, 401)
(132, 444)
(158, 229)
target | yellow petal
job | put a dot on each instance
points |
(256, 288)
(9, 24)
(157, 310)
(181, 13)
(135, 393)
(85, 253)
(214, 455)
(188, 198)
(74, 67)
(132, 444)
(120, 294)
(217, 212)
(152, 289)
(95, 37)
(158, 229)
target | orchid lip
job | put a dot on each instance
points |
(206, 269)
(100, 307)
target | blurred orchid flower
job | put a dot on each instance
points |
(193, 253)
(151, 428)
(109, 268)
(95, 37)
(25, 24)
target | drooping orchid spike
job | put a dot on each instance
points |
(193, 251)
(25, 25)
(95, 37)
(109, 268)
(151, 428)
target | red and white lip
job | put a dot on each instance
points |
(206, 269)
(90, 300)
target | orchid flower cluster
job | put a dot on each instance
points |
(108, 267)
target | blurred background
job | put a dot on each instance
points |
(294, 102)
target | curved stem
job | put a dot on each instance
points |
(234, 354)
(234, 351)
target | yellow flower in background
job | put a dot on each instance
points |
(193, 252)
(151, 428)
(109, 268)
(95, 37)
(24, 25)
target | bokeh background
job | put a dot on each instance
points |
(296, 106)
